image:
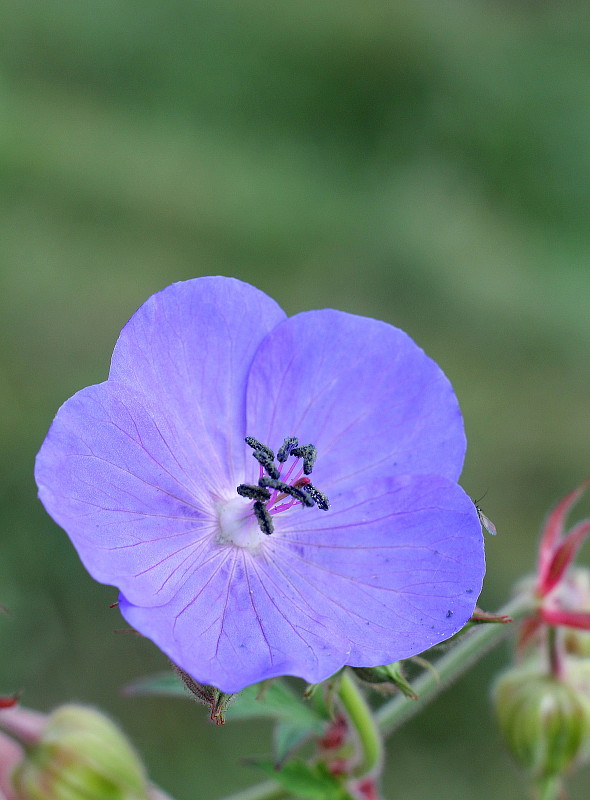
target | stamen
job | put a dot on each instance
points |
(293, 468)
(286, 488)
(253, 492)
(285, 449)
(267, 462)
(271, 491)
(256, 445)
(320, 498)
(264, 519)
(308, 453)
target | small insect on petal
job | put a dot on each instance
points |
(486, 523)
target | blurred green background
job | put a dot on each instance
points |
(419, 161)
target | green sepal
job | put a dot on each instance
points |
(387, 674)
(180, 684)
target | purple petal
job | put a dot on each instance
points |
(235, 628)
(394, 569)
(362, 392)
(134, 493)
(412, 548)
(189, 349)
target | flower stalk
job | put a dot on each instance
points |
(362, 720)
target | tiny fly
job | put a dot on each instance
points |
(486, 523)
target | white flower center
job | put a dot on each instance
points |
(238, 526)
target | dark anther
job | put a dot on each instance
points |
(258, 446)
(286, 488)
(301, 489)
(320, 498)
(308, 453)
(253, 492)
(267, 463)
(285, 449)
(265, 522)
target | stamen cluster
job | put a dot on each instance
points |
(271, 490)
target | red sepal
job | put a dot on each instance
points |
(553, 531)
(563, 556)
(573, 619)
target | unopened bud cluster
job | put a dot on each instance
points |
(80, 754)
(543, 711)
(543, 719)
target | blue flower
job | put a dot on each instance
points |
(271, 495)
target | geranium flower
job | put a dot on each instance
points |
(271, 495)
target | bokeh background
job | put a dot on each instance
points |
(419, 161)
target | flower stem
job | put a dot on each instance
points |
(449, 667)
(555, 659)
(362, 719)
(548, 789)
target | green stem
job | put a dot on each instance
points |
(556, 665)
(450, 667)
(548, 789)
(362, 719)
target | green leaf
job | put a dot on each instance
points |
(287, 737)
(305, 781)
(161, 683)
(276, 700)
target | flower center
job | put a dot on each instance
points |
(237, 526)
(280, 487)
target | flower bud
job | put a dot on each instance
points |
(543, 720)
(389, 675)
(80, 753)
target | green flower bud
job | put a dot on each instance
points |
(80, 753)
(389, 675)
(544, 721)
